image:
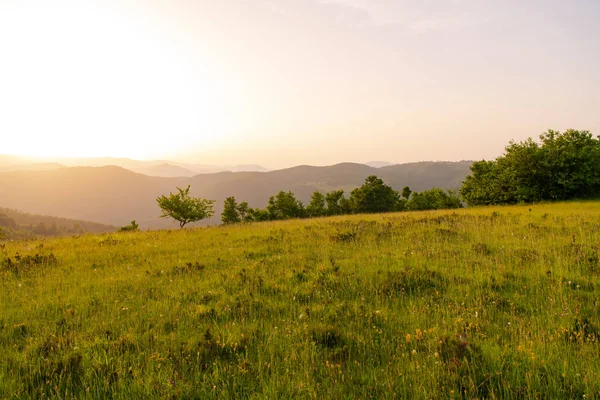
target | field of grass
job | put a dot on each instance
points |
(484, 303)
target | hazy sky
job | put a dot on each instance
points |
(284, 82)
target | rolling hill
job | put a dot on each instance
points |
(114, 196)
(165, 170)
(47, 225)
(480, 303)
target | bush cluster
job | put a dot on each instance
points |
(374, 196)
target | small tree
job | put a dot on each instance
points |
(285, 206)
(183, 208)
(132, 227)
(433, 199)
(374, 196)
(316, 207)
(230, 214)
(406, 192)
(244, 211)
(335, 202)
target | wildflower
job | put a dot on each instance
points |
(408, 338)
(414, 352)
(419, 334)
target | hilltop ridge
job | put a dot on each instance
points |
(114, 196)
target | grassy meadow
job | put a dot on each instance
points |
(498, 302)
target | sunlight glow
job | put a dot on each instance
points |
(82, 80)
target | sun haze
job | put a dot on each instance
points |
(284, 82)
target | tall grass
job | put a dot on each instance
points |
(482, 303)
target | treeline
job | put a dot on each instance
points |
(372, 197)
(562, 166)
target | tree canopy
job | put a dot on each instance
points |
(374, 196)
(561, 166)
(183, 208)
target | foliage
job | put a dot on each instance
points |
(561, 166)
(433, 199)
(285, 206)
(234, 212)
(374, 196)
(487, 303)
(183, 208)
(230, 214)
(316, 207)
(337, 203)
(406, 192)
(132, 227)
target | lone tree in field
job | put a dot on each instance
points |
(183, 208)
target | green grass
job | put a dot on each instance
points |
(483, 303)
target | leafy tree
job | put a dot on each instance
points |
(234, 212)
(184, 208)
(433, 199)
(258, 215)
(285, 206)
(243, 211)
(316, 207)
(336, 203)
(406, 192)
(230, 214)
(483, 187)
(571, 162)
(374, 196)
(345, 206)
(132, 227)
(561, 166)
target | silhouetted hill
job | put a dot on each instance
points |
(115, 196)
(165, 170)
(378, 164)
(247, 168)
(52, 226)
(30, 167)
(425, 175)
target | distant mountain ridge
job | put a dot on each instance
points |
(378, 164)
(115, 196)
(162, 168)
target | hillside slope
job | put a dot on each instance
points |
(51, 225)
(474, 303)
(115, 196)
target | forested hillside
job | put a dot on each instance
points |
(19, 225)
(115, 196)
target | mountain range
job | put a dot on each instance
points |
(113, 195)
(162, 168)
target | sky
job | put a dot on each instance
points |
(288, 82)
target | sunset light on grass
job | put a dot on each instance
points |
(299, 199)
